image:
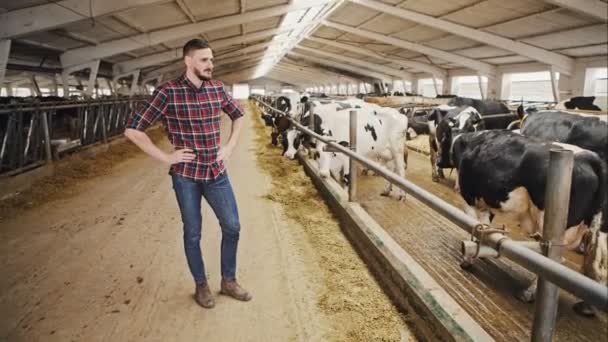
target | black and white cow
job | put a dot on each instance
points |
(593, 103)
(500, 171)
(485, 108)
(587, 132)
(381, 136)
(466, 119)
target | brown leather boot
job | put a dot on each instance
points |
(234, 290)
(203, 296)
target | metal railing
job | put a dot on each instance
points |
(34, 133)
(521, 252)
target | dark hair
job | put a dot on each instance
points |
(195, 44)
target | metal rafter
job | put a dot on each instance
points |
(118, 46)
(563, 63)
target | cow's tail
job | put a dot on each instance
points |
(600, 168)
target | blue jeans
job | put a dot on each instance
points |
(218, 193)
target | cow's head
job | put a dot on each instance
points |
(467, 120)
(283, 104)
(291, 142)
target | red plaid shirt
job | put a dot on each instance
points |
(192, 118)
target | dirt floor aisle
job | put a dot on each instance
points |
(106, 263)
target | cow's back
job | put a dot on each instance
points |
(585, 132)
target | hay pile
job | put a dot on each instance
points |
(420, 144)
(356, 307)
(70, 172)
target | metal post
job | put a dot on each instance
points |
(554, 85)
(557, 199)
(435, 86)
(483, 94)
(352, 184)
(104, 126)
(311, 121)
(47, 136)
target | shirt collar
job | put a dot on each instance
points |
(187, 81)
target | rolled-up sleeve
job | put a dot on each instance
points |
(151, 111)
(231, 107)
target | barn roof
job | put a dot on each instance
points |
(303, 42)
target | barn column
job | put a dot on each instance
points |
(5, 49)
(484, 94)
(135, 78)
(417, 86)
(65, 75)
(554, 84)
(499, 87)
(35, 87)
(144, 82)
(573, 85)
(55, 84)
(448, 86)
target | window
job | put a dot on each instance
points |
(468, 86)
(596, 82)
(426, 87)
(22, 91)
(258, 91)
(532, 86)
(601, 87)
(240, 91)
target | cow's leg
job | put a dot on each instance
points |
(528, 294)
(485, 216)
(433, 158)
(440, 173)
(529, 222)
(595, 261)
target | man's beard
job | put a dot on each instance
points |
(202, 77)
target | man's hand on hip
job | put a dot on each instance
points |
(180, 156)
(224, 153)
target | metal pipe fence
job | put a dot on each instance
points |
(32, 134)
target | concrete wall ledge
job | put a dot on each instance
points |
(436, 315)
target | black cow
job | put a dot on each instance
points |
(586, 132)
(485, 108)
(502, 171)
(466, 118)
(582, 103)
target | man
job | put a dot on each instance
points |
(190, 108)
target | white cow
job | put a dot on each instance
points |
(381, 135)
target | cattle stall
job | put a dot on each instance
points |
(487, 290)
(33, 133)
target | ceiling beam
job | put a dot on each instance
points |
(174, 54)
(287, 77)
(186, 10)
(425, 67)
(241, 51)
(309, 76)
(357, 62)
(481, 67)
(563, 63)
(593, 8)
(118, 46)
(59, 13)
(279, 79)
(319, 73)
(325, 71)
(5, 49)
(342, 66)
